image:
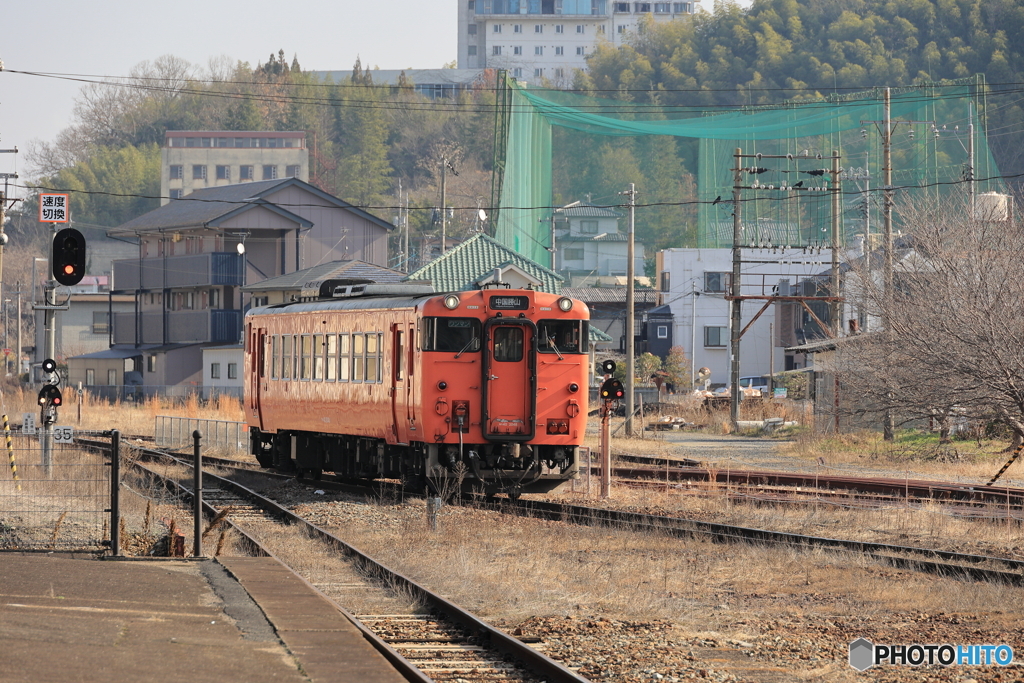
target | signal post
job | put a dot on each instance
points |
(611, 391)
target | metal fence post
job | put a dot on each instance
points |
(197, 498)
(115, 493)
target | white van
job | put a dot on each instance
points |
(755, 383)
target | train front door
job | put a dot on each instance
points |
(510, 379)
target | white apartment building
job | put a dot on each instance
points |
(545, 40)
(695, 282)
(196, 160)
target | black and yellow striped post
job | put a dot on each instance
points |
(10, 451)
(1016, 454)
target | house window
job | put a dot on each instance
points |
(588, 227)
(214, 370)
(538, 28)
(559, 28)
(681, 7)
(177, 172)
(100, 322)
(559, 73)
(559, 51)
(176, 194)
(471, 50)
(621, 7)
(716, 336)
(642, 6)
(471, 29)
(472, 5)
(269, 172)
(214, 298)
(573, 254)
(517, 28)
(662, 7)
(517, 73)
(90, 377)
(232, 370)
(580, 50)
(662, 331)
(111, 378)
(538, 73)
(716, 282)
(621, 28)
(580, 28)
(198, 172)
(293, 171)
(245, 173)
(223, 172)
(517, 50)
(538, 50)
(151, 364)
(497, 28)
(496, 50)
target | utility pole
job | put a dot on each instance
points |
(736, 304)
(444, 208)
(889, 425)
(630, 312)
(836, 195)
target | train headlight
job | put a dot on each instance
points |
(451, 302)
(565, 305)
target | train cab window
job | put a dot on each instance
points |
(275, 356)
(358, 348)
(454, 335)
(286, 357)
(344, 358)
(307, 356)
(508, 344)
(563, 336)
(332, 358)
(318, 357)
(372, 358)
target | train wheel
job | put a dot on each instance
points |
(312, 474)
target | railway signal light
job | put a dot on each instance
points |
(608, 367)
(68, 257)
(49, 366)
(612, 389)
(50, 395)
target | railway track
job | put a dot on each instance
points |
(440, 642)
(664, 469)
(952, 564)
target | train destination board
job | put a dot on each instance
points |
(509, 303)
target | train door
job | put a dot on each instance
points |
(399, 382)
(510, 379)
(257, 339)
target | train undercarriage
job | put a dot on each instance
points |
(508, 467)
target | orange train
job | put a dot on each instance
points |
(487, 387)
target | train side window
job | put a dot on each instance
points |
(307, 356)
(332, 358)
(344, 358)
(508, 344)
(358, 348)
(286, 365)
(318, 357)
(275, 357)
(264, 344)
(373, 357)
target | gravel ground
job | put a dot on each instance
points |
(757, 636)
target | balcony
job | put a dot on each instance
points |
(182, 327)
(198, 270)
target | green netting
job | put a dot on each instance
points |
(563, 146)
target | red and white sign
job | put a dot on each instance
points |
(53, 208)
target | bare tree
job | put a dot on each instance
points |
(955, 344)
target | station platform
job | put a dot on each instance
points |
(73, 618)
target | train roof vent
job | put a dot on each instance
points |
(348, 288)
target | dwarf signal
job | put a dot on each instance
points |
(50, 395)
(612, 390)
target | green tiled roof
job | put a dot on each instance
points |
(461, 268)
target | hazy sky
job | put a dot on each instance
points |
(108, 38)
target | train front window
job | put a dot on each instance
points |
(563, 336)
(453, 335)
(508, 344)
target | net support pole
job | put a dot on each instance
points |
(197, 498)
(115, 493)
(889, 425)
(736, 305)
(630, 313)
